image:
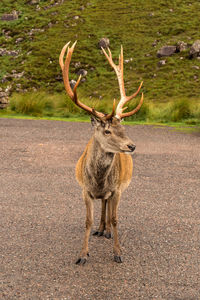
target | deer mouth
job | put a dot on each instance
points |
(128, 152)
(129, 149)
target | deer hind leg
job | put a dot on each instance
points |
(114, 220)
(108, 220)
(102, 225)
(89, 221)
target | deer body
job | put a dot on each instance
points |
(104, 170)
(102, 175)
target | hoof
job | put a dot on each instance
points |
(98, 233)
(82, 261)
(108, 235)
(117, 259)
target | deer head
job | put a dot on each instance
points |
(108, 131)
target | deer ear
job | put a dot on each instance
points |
(94, 121)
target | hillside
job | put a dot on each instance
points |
(34, 39)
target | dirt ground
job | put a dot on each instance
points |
(43, 215)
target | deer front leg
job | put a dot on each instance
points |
(101, 229)
(89, 220)
(114, 220)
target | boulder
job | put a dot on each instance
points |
(195, 49)
(103, 43)
(166, 51)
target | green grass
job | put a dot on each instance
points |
(135, 24)
(43, 105)
(175, 126)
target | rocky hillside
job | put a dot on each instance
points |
(160, 40)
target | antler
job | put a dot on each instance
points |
(73, 94)
(120, 76)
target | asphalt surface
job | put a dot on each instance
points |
(43, 215)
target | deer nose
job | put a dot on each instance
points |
(131, 147)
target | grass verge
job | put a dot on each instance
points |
(59, 106)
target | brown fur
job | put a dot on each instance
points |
(104, 171)
(122, 160)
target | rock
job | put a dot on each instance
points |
(19, 40)
(154, 44)
(83, 79)
(195, 49)
(8, 89)
(196, 67)
(4, 102)
(166, 51)
(3, 94)
(14, 74)
(18, 75)
(2, 52)
(77, 64)
(32, 2)
(104, 43)
(82, 72)
(181, 46)
(128, 60)
(72, 83)
(8, 52)
(3, 98)
(13, 52)
(161, 63)
(10, 17)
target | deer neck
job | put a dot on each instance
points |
(100, 162)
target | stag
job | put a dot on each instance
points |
(104, 170)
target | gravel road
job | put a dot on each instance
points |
(43, 215)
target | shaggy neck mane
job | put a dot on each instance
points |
(100, 161)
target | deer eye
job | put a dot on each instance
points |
(107, 132)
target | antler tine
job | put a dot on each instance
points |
(118, 69)
(62, 53)
(130, 113)
(121, 60)
(109, 58)
(65, 71)
(135, 94)
(111, 115)
(124, 100)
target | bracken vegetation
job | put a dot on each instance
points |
(171, 91)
